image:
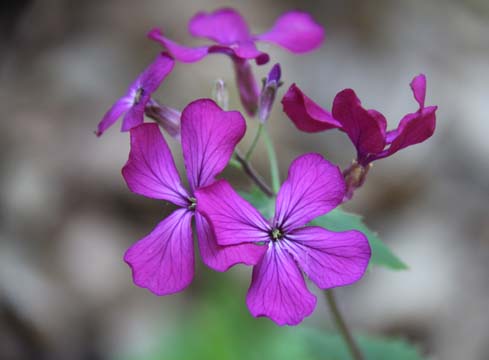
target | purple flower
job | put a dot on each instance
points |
(367, 129)
(278, 291)
(133, 103)
(295, 31)
(163, 261)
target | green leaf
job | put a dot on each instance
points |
(330, 346)
(264, 204)
(339, 220)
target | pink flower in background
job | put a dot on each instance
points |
(278, 291)
(295, 31)
(163, 261)
(133, 103)
(367, 129)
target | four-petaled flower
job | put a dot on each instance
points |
(367, 129)
(134, 102)
(278, 291)
(295, 31)
(163, 261)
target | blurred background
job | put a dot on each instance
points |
(66, 216)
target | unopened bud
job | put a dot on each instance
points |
(247, 86)
(220, 94)
(167, 117)
(270, 85)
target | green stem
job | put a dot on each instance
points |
(342, 328)
(272, 157)
(251, 172)
(255, 141)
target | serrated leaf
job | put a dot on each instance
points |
(339, 220)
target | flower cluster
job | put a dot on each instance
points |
(230, 230)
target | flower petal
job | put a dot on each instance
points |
(150, 169)
(135, 115)
(329, 258)
(225, 26)
(115, 112)
(221, 258)
(418, 85)
(314, 187)
(278, 290)
(181, 53)
(232, 218)
(209, 136)
(248, 50)
(413, 129)
(295, 31)
(163, 261)
(305, 113)
(155, 73)
(366, 129)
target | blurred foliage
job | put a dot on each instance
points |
(219, 327)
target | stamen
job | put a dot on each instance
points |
(276, 234)
(139, 94)
(192, 203)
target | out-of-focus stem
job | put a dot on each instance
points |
(255, 141)
(250, 171)
(342, 328)
(272, 157)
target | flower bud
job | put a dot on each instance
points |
(220, 94)
(247, 86)
(167, 117)
(268, 92)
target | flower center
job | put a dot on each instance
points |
(276, 234)
(139, 95)
(192, 203)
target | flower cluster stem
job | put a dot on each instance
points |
(342, 328)
(251, 172)
(255, 142)
(272, 157)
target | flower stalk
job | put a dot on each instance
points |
(342, 327)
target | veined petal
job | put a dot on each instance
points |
(329, 258)
(365, 128)
(278, 290)
(418, 86)
(115, 112)
(413, 129)
(163, 261)
(150, 169)
(232, 218)
(135, 115)
(305, 113)
(221, 258)
(181, 53)
(314, 187)
(156, 72)
(225, 26)
(295, 31)
(209, 136)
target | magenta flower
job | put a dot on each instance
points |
(367, 129)
(295, 31)
(133, 103)
(278, 291)
(163, 261)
